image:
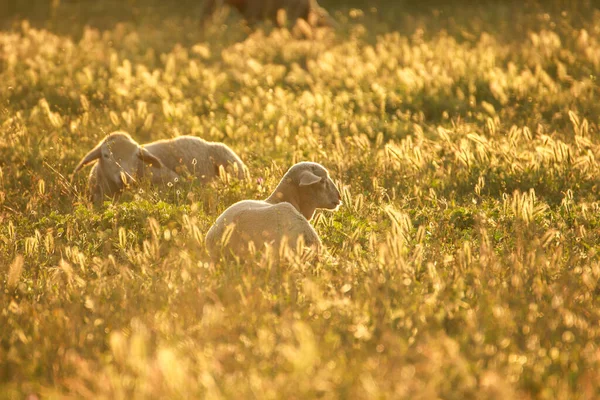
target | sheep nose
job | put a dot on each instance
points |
(338, 200)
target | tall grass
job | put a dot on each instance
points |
(463, 264)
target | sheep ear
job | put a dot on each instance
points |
(94, 154)
(149, 158)
(308, 178)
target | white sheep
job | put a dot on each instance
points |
(286, 213)
(121, 161)
(255, 10)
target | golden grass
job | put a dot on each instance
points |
(463, 264)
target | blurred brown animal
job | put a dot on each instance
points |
(257, 10)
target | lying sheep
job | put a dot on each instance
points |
(121, 161)
(192, 155)
(304, 188)
(256, 10)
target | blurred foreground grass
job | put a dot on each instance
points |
(464, 263)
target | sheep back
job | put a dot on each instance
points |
(194, 156)
(261, 223)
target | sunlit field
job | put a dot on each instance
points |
(464, 262)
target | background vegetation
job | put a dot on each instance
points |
(464, 262)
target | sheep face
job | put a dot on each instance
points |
(307, 186)
(119, 159)
(317, 188)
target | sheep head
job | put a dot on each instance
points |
(307, 186)
(119, 158)
(319, 17)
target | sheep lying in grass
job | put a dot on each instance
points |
(285, 214)
(121, 161)
(192, 155)
(256, 10)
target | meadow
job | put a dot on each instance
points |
(464, 262)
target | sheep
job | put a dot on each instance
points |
(121, 161)
(178, 155)
(305, 187)
(255, 10)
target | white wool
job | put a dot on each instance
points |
(192, 155)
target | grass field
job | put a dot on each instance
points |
(463, 264)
